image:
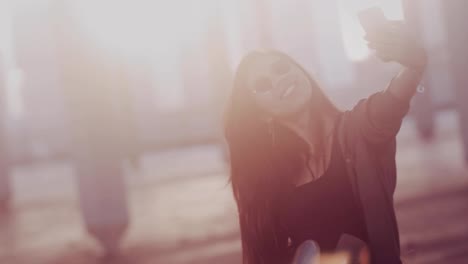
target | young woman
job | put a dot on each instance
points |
(303, 170)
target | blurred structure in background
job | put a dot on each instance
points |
(457, 37)
(94, 85)
(111, 117)
(422, 108)
(220, 70)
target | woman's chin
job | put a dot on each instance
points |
(291, 112)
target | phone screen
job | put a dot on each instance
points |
(372, 19)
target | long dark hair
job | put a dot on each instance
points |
(265, 157)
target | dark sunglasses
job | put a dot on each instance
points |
(265, 84)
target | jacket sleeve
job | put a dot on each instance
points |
(379, 116)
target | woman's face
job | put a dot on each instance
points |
(279, 87)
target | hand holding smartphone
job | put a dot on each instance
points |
(392, 40)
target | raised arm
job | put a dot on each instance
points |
(380, 115)
(396, 43)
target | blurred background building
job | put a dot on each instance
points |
(149, 80)
(188, 53)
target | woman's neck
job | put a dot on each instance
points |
(308, 125)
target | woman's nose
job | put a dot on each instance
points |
(283, 85)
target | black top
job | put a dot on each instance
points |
(324, 209)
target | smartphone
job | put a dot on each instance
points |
(372, 19)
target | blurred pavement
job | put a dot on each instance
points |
(183, 212)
